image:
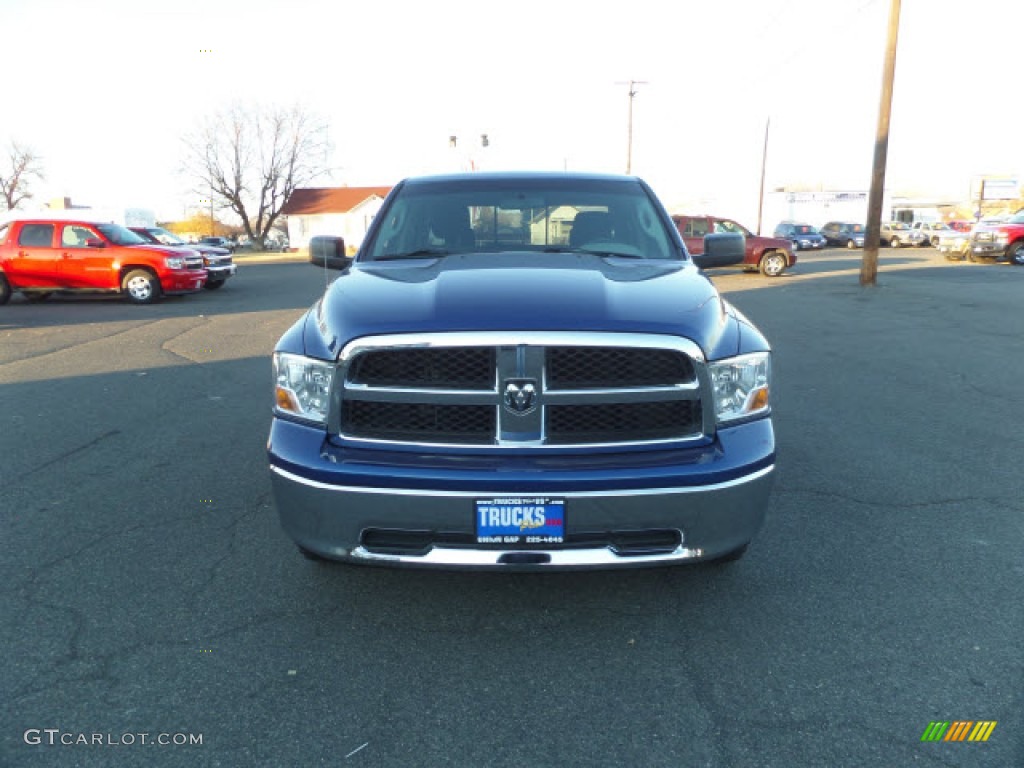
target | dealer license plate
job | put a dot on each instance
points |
(517, 521)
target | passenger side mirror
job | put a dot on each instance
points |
(722, 249)
(329, 252)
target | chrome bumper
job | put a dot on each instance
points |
(712, 520)
(602, 557)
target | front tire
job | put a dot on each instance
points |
(214, 284)
(773, 264)
(1015, 253)
(311, 555)
(895, 242)
(141, 287)
(850, 244)
(5, 289)
(730, 557)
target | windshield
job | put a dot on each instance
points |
(119, 235)
(805, 229)
(429, 218)
(165, 237)
(897, 225)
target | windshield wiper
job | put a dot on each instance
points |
(422, 253)
(595, 252)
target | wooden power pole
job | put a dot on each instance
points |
(869, 265)
(629, 125)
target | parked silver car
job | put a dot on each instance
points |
(897, 234)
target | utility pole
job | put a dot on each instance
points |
(764, 162)
(869, 266)
(629, 126)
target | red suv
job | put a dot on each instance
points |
(41, 256)
(771, 255)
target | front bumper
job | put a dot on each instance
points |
(218, 273)
(337, 503)
(989, 250)
(183, 280)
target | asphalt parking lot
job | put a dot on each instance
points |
(146, 586)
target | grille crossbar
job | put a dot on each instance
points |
(611, 389)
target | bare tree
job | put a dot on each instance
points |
(251, 159)
(24, 165)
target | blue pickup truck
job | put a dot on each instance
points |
(523, 371)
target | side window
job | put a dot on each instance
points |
(36, 235)
(729, 226)
(696, 227)
(75, 236)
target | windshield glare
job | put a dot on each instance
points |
(492, 216)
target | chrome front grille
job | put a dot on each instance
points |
(532, 389)
(417, 422)
(440, 368)
(612, 367)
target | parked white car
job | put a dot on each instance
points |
(929, 232)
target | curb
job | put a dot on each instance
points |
(270, 258)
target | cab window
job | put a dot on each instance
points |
(36, 235)
(732, 227)
(696, 228)
(75, 236)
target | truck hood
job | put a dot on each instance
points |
(162, 250)
(521, 292)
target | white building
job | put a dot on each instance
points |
(337, 211)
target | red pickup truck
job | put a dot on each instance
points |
(41, 256)
(771, 255)
(999, 241)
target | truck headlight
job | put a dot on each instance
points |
(174, 262)
(302, 386)
(741, 386)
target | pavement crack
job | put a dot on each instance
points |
(72, 452)
(165, 345)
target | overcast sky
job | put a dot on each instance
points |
(105, 90)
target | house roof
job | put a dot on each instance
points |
(330, 199)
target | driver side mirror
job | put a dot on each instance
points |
(95, 242)
(328, 252)
(721, 249)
